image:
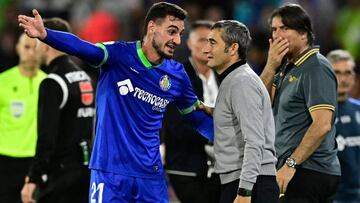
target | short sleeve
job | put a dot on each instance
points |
(319, 87)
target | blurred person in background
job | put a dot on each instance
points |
(302, 86)
(138, 80)
(347, 127)
(60, 171)
(19, 87)
(188, 165)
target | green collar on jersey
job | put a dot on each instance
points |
(143, 58)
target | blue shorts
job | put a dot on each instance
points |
(109, 187)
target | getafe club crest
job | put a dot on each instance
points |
(165, 82)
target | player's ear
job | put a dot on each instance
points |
(151, 26)
(234, 49)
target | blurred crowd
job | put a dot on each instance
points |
(96, 20)
(336, 23)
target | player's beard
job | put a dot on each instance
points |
(155, 43)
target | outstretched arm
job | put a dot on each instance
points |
(63, 41)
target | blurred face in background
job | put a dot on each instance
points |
(26, 50)
(41, 51)
(345, 76)
(196, 43)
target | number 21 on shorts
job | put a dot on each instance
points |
(96, 192)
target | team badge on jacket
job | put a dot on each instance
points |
(165, 82)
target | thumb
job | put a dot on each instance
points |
(36, 14)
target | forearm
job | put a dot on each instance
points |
(310, 142)
(247, 104)
(50, 97)
(202, 122)
(71, 44)
(267, 77)
(44, 150)
(251, 165)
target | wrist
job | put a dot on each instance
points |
(244, 192)
(291, 162)
(32, 179)
(270, 69)
(43, 34)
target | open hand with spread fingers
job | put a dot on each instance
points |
(33, 26)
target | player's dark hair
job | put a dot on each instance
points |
(161, 10)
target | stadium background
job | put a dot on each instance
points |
(336, 23)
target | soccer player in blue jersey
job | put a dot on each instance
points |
(137, 81)
(347, 127)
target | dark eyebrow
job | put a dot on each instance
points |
(173, 26)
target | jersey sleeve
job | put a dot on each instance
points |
(73, 45)
(50, 99)
(112, 50)
(201, 121)
(319, 87)
(187, 99)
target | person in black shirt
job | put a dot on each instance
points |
(65, 124)
(187, 164)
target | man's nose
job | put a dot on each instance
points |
(276, 34)
(206, 48)
(177, 39)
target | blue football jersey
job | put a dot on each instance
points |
(132, 96)
(348, 140)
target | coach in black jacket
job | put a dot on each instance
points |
(187, 164)
(65, 123)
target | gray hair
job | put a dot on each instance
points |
(234, 32)
(340, 55)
